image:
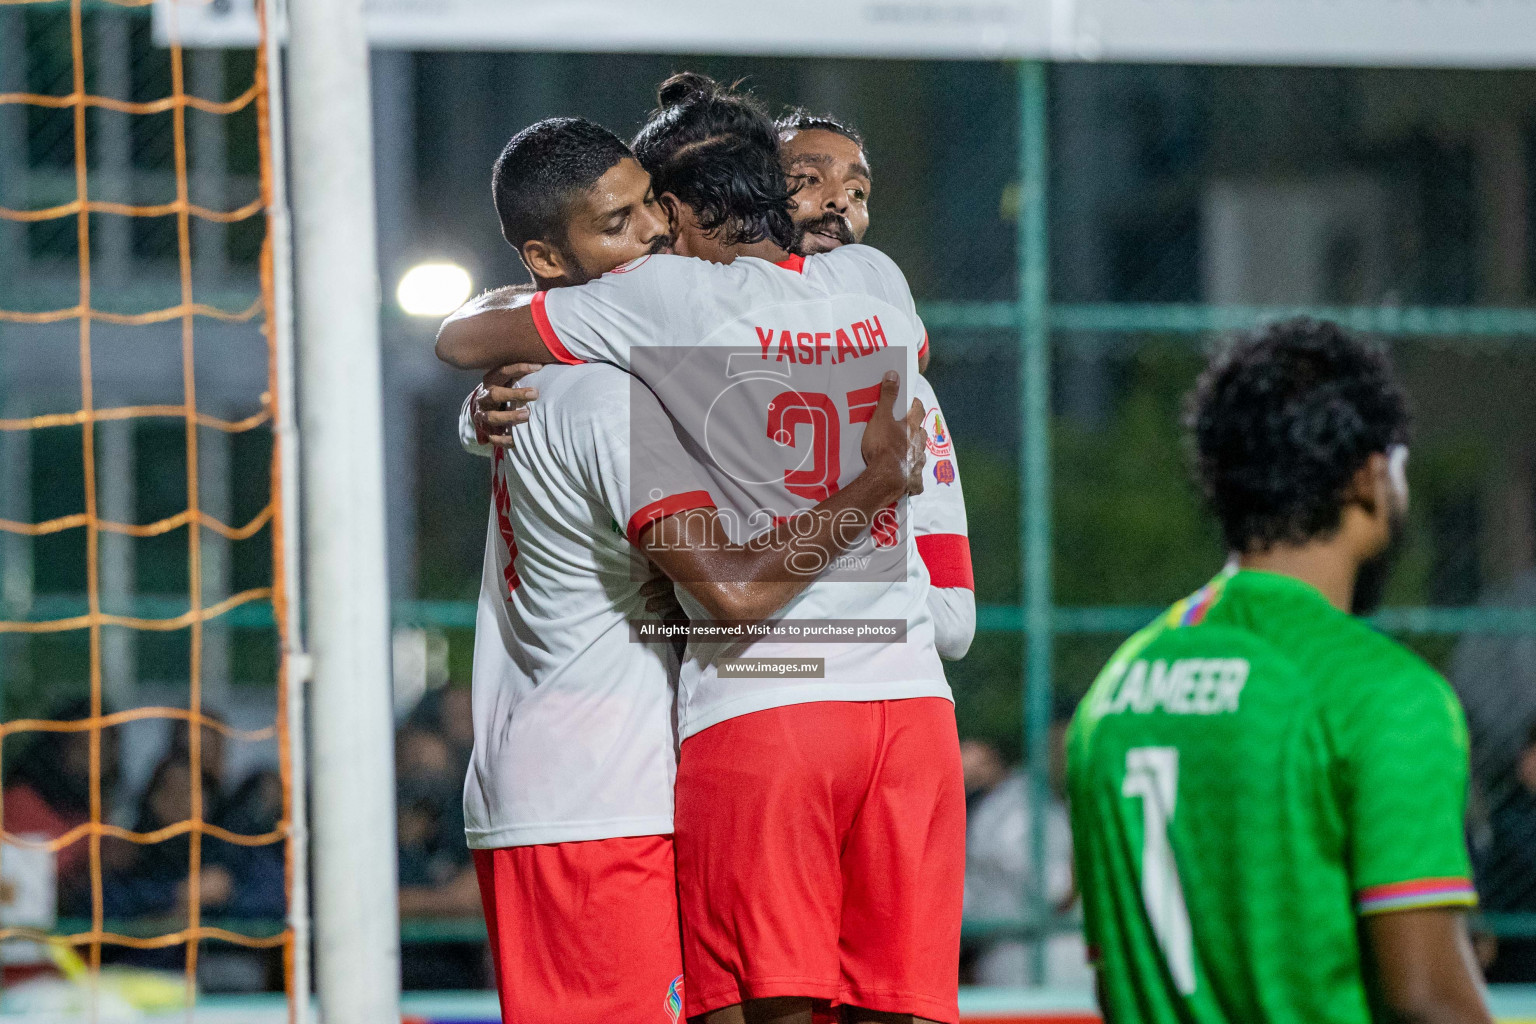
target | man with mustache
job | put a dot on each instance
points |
(1267, 795)
(825, 163)
(824, 159)
(568, 801)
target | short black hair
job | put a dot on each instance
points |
(543, 168)
(799, 119)
(1280, 423)
(717, 150)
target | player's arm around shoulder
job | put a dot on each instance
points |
(492, 411)
(591, 322)
(1403, 739)
(492, 330)
(650, 301)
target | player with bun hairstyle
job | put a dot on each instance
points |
(1268, 796)
(820, 821)
(713, 157)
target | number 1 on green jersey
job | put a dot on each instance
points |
(1152, 776)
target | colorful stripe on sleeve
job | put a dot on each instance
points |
(1421, 892)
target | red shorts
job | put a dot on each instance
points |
(821, 853)
(584, 932)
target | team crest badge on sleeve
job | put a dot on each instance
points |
(675, 999)
(939, 444)
(944, 471)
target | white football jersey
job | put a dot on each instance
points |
(575, 736)
(770, 371)
(938, 524)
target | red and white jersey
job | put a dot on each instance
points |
(938, 523)
(770, 371)
(574, 730)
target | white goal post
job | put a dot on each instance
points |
(345, 586)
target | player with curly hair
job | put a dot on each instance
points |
(1267, 794)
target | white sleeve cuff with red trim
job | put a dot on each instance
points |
(547, 332)
(660, 509)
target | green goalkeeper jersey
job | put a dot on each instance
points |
(1248, 775)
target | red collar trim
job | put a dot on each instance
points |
(795, 263)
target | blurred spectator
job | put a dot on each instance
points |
(255, 807)
(1495, 676)
(212, 751)
(431, 821)
(47, 793)
(252, 808)
(999, 867)
(1507, 875)
(981, 764)
(455, 717)
(437, 876)
(153, 879)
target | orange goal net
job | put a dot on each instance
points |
(54, 125)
